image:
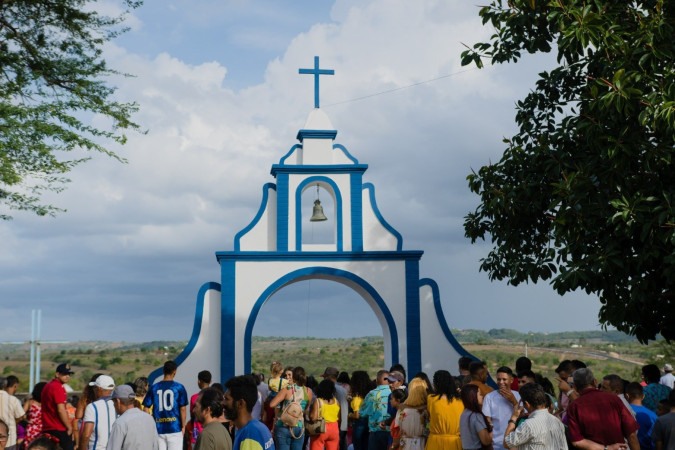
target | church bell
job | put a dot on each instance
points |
(317, 213)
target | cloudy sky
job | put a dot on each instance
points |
(219, 91)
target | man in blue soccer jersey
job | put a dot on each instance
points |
(168, 400)
(240, 397)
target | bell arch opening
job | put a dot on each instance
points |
(318, 217)
(332, 209)
(358, 287)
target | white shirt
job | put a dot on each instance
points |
(541, 431)
(499, 410)
(102, 414)
(668, 380)
(10, 410)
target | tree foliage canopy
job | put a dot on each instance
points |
(52, 82)
(584, 194)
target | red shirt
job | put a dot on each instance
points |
(53, 394)
(600, 417)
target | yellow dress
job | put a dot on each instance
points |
(444, 423)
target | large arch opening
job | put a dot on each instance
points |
(340, 289)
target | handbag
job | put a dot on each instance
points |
(316, 427)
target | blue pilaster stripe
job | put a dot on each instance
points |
(412, 312)
(282, 212)
(356, 182)
(227, 320)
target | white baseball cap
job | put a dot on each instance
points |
(104, 382)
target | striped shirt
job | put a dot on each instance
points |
(541, 431)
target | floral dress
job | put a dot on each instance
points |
(412, 425)
(34, 428)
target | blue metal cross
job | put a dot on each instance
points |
(316, 72)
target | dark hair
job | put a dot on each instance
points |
(533, 394)
(326, 389)
(577, 364)
(398, 368)
(343, 378)
(615, 383)
(528, 374)
(89, 392)
(634, 390)
(311, 383)
(476, 367)
(399, 394)
(381, 374)
(651, 373)
(360, 383)
(299, 376)
(219, 387)
(170, 367)
(464, 362)
(204, 376)
(671, 398)
(213, 399)
(522, 364)
(469, 395)
(12, 380)
(44, 442)
(444, 385)
(545, 383)
(506, 370)
(242, 387)
(36, 394)
(565, 366)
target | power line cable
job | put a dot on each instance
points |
(400, 88)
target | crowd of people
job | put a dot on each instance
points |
(292, 411)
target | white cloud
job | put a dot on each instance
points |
(142, 234)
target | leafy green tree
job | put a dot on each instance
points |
(583, 195)
(53, 81)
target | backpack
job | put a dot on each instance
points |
(291, 415)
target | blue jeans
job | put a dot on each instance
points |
(284, 441)
(378, 440)
(360, 434)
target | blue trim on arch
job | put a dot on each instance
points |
(412, 314)
(282, 212)
(309, 273)
(196, 328)
(316, 134)
(380, 255)
(356, 197)
(228, 321)
(283, 159)
(384, 223)
(438, 308)
(256, 219)
(317, 168)
(298, 209)
(346, 152)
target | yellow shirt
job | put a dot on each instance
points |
(356, 403)
(330, 413)
(277, 384)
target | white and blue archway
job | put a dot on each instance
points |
(367, 256)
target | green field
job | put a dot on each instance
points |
(604, 352)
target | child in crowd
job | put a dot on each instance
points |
(396, 399)
(276, 383)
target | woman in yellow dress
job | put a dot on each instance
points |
(444, 408)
